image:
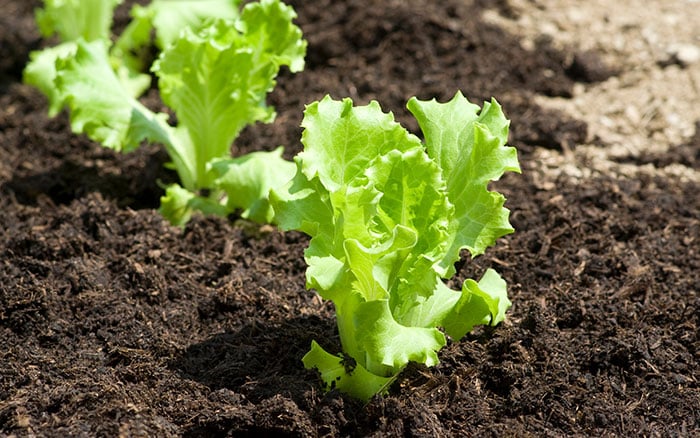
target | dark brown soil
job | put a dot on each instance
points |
(115, 324)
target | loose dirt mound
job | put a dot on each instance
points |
(116, 324)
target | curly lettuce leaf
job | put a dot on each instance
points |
(102, 108)
(99, 105)
(338, 372)
(390, 346)
(178, 205)
(162, 21)
(303, 205)
(306, 206)
(247, 181)
(410, 193)
(340, 140)
(376, 268)
(268, 26)
(72, 19)
(482, 303)
(169, 17)
(469, 146)
(40, 73)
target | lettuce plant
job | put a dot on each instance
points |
(388, 215)
(69, 21)
(90, 20)
(214, 73)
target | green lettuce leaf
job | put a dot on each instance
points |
(40, 72)
(390, 346)
(482, 303)
(162, 21)
(340, 140)
(99, 105)
(179, 204)
(303, 205)
(331, 159)
(247, 181)
(338, 372)
(72, 19)
(102, 108)
(469, 146)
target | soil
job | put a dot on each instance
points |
(114, 323)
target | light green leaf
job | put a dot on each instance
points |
(469, 146)
(131, 47)
(88, 20)
(340, 373)
(205, 84)
(130, 52)
(169, 17)
(175, 205)
(410, 192)
(267, 25)
(179, 204)
(326, 273)
(417, 309)
(73, 19)
(100, 106)
(341, 140)
(302, 205)
(376, 268)
(388, 345)
(411, 196)
(134, 83)
(247, 181)
(166, 19)
(306, 206)
(492, 288)
(485, 302)
(40, 72)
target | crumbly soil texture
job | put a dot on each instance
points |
(114, 323)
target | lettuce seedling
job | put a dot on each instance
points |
(388, 215)
(69, 21)
(215, 77)
(91, 20)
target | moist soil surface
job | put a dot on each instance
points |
(114, 323)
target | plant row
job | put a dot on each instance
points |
(387, 212)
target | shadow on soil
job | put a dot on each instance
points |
(256, 373)
(136, 181)
(259, 360)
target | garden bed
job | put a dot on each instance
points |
(114, 323)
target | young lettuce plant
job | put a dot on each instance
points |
(91, 20)
(215, 78)
(69, 20)
(388, 216)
